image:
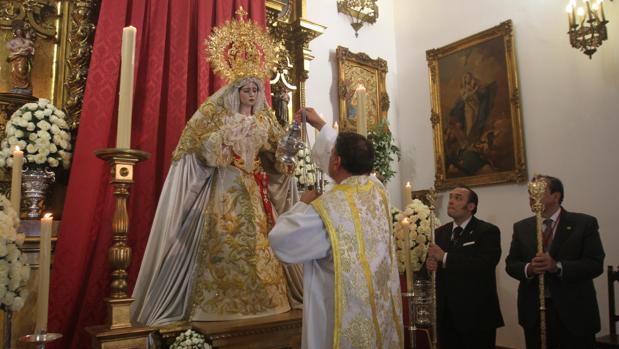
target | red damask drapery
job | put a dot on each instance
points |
(172, 78)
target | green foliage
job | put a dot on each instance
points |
(385, 148)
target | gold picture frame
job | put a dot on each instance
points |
(355, 69)
(476, 115)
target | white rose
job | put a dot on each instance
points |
(47, 112)
(32, 148)
(40, 159)
(31, 106)
(14, 283)
(65, 135)
(62, 124)
(55, 129)
(22, 144)
(3, 289)
(31, 126)
(20, 238)
(44, 125)
(10, 130)
(59, 113)
(66, 161)
(18, 303)
(39, 114)
(42, 102)
(53, 162)
(44, 135)
(27, 116)
(12, 252)
(32, 137)
(9, 162)
(2, 162)
(9, 297)
(30, 158)
(22, 123)
(19, 133)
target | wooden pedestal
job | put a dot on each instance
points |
(281, 331)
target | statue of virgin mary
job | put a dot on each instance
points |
(208, 257)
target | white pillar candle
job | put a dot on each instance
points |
(18, 161)
(405, 223)
(361, 111)
(45, 254)
(125, 101)
(408, 194)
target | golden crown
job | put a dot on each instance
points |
(241, 48)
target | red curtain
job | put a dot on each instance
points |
(172, 78)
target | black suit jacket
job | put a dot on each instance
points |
(576, 244)
(466, 286)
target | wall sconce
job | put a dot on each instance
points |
(587, 25)
(359, 11)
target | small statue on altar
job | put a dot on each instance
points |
(208, 257)
(280, 105)
(21, 52)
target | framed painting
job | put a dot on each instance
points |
(356, 69)
(476, 110)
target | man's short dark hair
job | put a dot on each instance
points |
(473, 198)
(554, 185)
(356, 153)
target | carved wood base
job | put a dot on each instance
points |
(270, 332)
(123, 338)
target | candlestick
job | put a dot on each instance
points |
(18, 161)
(125, 101)
(408, 194)
(45, 250)
(361, 111)
(407, 254)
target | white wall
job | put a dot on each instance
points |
(376, 40)
(569, 107)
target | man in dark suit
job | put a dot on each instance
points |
(573, 257)
(465, 256)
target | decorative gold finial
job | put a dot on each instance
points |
(241, 48)
(537, 188)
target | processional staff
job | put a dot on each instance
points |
(537, 188)
(431, 197)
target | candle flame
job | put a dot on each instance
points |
(48, 215)
(408, 185)
(405, 221)
(17, 148)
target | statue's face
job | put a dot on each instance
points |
(248, 94)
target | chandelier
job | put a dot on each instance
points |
(587, 25)
(359, 11)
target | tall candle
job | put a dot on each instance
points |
(18, 161)
(407, 255)
(125, 102)
(45, 254)
(362, 117)
(408, 194)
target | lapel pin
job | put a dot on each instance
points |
(569, 227)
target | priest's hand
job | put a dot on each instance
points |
(543, 262)
(309, 196)
(435, 252)
(312, 117)
(431, 264)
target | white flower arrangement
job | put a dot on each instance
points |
(190, 340)
(305, 170)
(419, 232)
(41, 131)
(14, 274)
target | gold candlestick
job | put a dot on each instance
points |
(122, 162)
(537, 188)
(431, 197)
(118, 331)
